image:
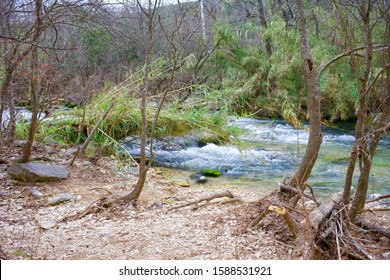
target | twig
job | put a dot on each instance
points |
(259, 218)
(117, 143)
(284, 187)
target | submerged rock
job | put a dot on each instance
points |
(199, 178)
(37, 172)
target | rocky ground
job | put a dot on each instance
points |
(32, 229)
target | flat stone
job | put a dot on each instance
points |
(60, 198)
(47, 224)
(34, 192)
(37, 172)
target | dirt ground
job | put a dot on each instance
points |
(152, 231)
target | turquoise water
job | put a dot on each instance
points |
(268, 150)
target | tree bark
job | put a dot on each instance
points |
(360, 151)
(263, 23)
(143, 166)
(313, 86)
(34, 82)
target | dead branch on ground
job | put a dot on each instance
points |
(228, 194)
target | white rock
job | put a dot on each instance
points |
(34, 192)
(47, 224)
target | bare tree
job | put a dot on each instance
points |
(366, 142)
(313, 85)
(38, 26)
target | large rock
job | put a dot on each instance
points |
(37, 172)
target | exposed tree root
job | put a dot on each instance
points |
(324, 233)
(106, 202)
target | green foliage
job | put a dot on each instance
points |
(274, 86)
(21, 130)
(62, 128)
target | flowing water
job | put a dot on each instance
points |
(268, 150)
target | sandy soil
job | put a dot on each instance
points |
(152, 231)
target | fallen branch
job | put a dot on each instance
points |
(231, 200)
(259, 218)
(284, 188)
(96, 206)
(318, 215)
(282, 212)
(214, 196)
(379, 198)
(308, 229)
(286, 217)
(374, 228)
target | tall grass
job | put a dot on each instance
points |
(197, 116)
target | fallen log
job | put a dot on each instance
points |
(373, 227)
(318, 215)
(308, 229)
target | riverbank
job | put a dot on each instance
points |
(31, 229)
(150, 232)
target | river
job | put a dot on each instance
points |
(269, 150)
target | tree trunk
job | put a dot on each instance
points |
(367, 145)
(34, 82)
(143, 166)
(263, 23)
(12, 114)
(313, 86)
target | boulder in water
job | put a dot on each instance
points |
(37, 172)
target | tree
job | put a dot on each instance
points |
(366, 139)
(312, 79)
(38, 26)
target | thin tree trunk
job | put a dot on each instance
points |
(143, 166)
(366, 147)
(263, 23)
(34, 83)
(12, 114)
(313, 86)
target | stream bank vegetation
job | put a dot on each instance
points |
(154, 70)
